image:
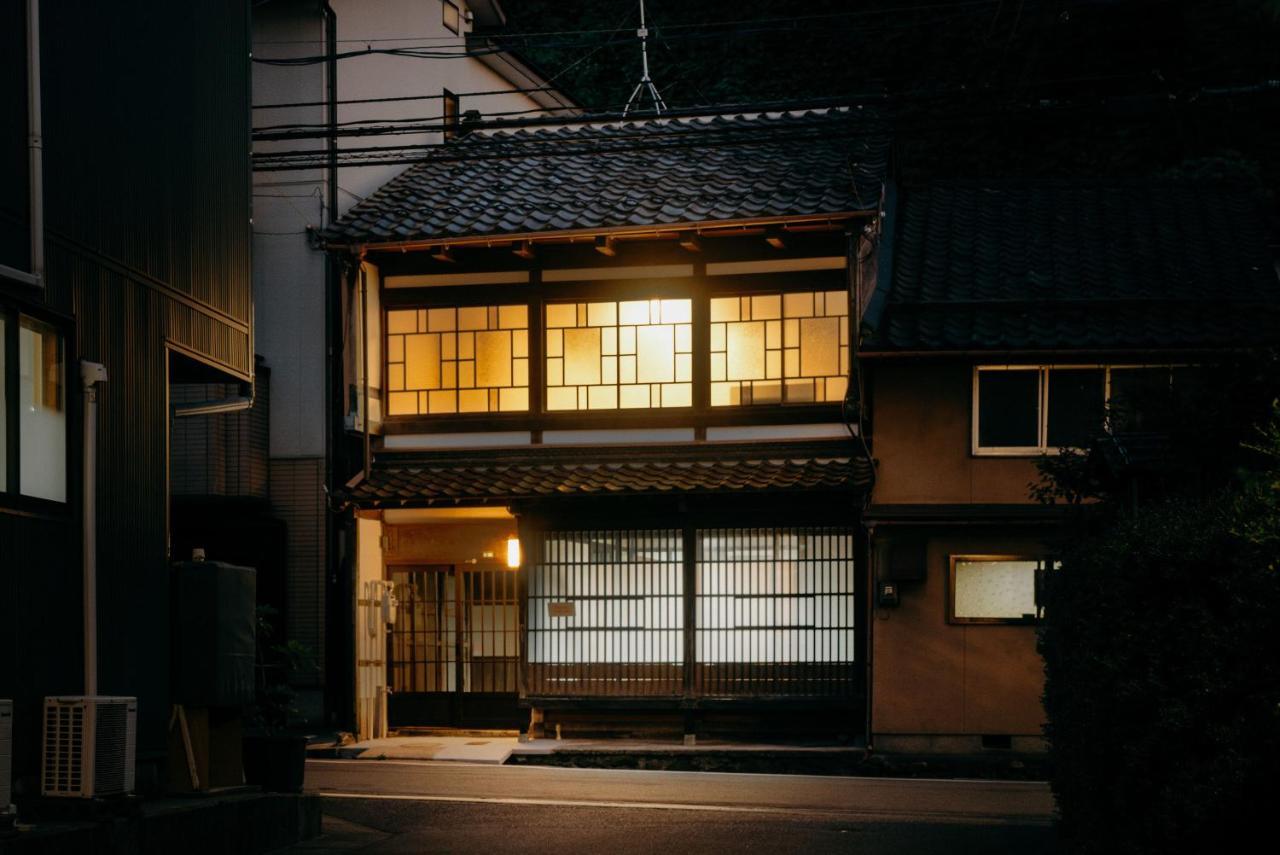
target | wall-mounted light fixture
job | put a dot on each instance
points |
(604, 245)
(513, 552)
(444, 253)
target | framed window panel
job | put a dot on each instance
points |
(779, 348)
(1040, 409)
(605, 613)
(1007, 409)
(42, 411)
(451, 16)
(776, 612)
(1076, 404)
(4, 405)
(619, 355)
(995, 588)
(457, 359)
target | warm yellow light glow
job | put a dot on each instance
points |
(469, 359)
(779, 348)
(632, 354)
(513, 552)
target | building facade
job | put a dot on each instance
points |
(618, 478)
(125, 243)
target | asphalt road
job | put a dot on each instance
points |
(394, 807)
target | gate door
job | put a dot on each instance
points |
(454, 648)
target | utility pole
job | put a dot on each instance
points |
(646, 83)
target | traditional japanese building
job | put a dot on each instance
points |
(618, 468)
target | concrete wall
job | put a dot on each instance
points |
(921, 429)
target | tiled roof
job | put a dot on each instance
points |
(406, 479)
(648, 172)
(1078, 265)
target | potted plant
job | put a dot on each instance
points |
(274, 758)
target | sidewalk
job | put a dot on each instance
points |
(706, 756)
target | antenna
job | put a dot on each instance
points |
(645, 84)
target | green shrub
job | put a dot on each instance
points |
(1161, 643)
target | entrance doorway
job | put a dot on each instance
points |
(454, 648)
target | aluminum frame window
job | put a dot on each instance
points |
(1044, 373)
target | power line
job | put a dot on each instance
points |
(512, 91)
(682, 32)
(462, 40)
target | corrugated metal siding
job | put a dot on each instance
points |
(220, 455)
(297, 498)
(146, 130)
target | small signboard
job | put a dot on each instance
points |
(560, 609)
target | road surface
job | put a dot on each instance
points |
(393, 807)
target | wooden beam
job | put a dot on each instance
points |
(689, 241)
(605, 246)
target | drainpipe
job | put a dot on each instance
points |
(35, 149)
(91, 374)
(364, 362)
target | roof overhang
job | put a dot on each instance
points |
(504, 476)
(708, 228)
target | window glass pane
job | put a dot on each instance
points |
(472, 359)
(1140, 399)
(1009, 409)
(774, 348)
(1075, 406)
(4, 412)
(42, 416)
(634, 354)
(995, 589)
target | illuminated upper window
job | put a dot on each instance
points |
(612, 355)
(473, 359)
(779, 348)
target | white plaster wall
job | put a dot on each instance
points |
(288, 274)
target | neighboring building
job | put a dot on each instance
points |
(1009, 317)
(145, 240)
(297, 292)
(616, 355)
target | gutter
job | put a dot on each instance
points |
(232, 404)
(707, 227)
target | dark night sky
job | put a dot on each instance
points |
(976, 87)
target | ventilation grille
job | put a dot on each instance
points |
(64, 749)
(88, 746)
(111, 742)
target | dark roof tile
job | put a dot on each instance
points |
(1159, 265)
(600, 175)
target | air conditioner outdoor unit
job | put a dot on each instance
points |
(88, 746)
(6, 756)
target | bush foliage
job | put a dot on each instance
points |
(1162, 675)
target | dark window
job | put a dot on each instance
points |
(1140, 399)
(450, 115)
(1009, 409)
(452, 17)
(1076, 398)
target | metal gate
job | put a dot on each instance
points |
(454, 648)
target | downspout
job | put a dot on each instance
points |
(35, 156)
(91, 374)
(364, 364)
